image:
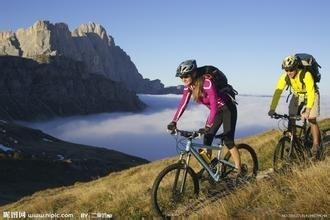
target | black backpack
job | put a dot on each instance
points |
(219, 79)
(307, 63)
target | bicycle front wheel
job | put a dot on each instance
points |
(287, 153)
(174, 188)
(282, 157)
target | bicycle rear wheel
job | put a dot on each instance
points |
(249, 162)
(325, 143)
(174, 188)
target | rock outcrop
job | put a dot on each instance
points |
(89, 43)
(59, 86)
(9, 44)
(172, 90)
(44, 38)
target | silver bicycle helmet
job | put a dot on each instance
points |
(186, 67)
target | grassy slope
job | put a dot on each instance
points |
(37, 167)
(127, 193)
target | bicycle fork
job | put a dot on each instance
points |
(291, 147)
(177, 175)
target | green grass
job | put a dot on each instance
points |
(127, 193)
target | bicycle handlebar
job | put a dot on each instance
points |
(193, 134)
(285, 116)
(186, 134)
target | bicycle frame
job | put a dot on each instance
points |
(192, 148)
(298, 141)
(301, 138)
(296, 145)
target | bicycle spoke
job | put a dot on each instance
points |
(173, 190)
(249, 162)
(283, 155)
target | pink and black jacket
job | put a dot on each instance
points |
(213, 99)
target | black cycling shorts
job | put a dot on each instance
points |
(227, 116)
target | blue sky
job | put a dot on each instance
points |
(245, 39)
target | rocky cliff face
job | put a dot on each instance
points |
(89, 43)
(58, 87)
(9, 44)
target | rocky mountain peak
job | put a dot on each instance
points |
(88, 43)
(62, 26)
(6, 35)
(41, 25)
(9, 44)
(85, 29)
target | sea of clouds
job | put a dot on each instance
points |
(144, 134)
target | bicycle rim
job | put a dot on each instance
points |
(325, 142)
(249, 161)
(286, 154)
(282, 160)
(173, 191)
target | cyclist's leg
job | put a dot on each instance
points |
(293, 111)
(315, 130)
(208, 138)
(229, 126)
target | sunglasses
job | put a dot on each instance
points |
(185, 76)
(290, 69)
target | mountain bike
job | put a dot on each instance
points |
(295, 144)
(178, 184)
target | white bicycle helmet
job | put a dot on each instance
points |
(290, 63)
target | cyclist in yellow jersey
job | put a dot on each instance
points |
(305, 95)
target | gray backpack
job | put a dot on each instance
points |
(307, 63)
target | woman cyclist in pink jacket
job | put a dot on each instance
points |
(199, 84)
